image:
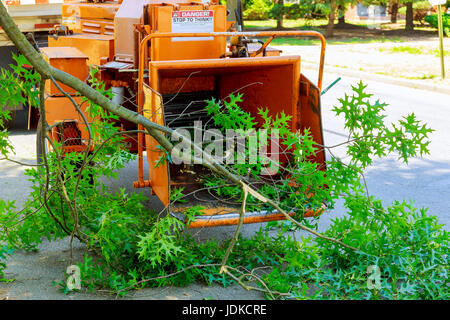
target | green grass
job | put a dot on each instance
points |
(436, 52)
(423, 77)
(414, 50)
(305, 24)
(308, 42)
(293, 42)
(299, 23)
(404, 49)
(407, 49)
(287, 23)
(319, 24)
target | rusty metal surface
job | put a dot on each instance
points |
(86, 10)
(311, 115)
(60, 110)
(63, 53)
(68, 59)
(209, 221)
(219, 212)
(94, 46)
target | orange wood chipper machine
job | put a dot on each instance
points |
(159, 56)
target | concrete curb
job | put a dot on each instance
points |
(380, 78)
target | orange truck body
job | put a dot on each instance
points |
(163, 50)
(32, 16)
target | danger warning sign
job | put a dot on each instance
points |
(193, 21)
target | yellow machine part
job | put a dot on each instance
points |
(86, 17)
(96, 47)
(162, 19)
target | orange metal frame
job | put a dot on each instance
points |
(218, 220)
(209, 221)
(232, 74)
(271, 34)
(141, 183)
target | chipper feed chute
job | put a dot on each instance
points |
(274, 82)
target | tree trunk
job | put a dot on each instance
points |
(341, 13)
(409, 16)
(331, 17)
(394, 11)
(280, 14)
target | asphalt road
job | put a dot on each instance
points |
(426, 180)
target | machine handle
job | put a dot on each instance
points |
(271, 34)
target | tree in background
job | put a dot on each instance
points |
(256, 9)
(341, 13)
(420, 10)
(336, 9)
(280, 13)
(331, 9)
(280, 10)
(409, 18)
(393, 10)
(331, 17)
(416, 10)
